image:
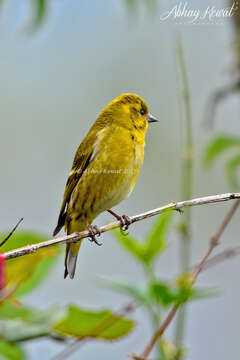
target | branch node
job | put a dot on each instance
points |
(136, 357)
(214, 241)
(179, 209)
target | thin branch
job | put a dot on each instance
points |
(11, 232)
(178, 206)
(216, 97)
(214, 241)
(222, 256)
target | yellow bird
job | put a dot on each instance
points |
(104, 170)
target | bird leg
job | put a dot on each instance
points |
(124, 220)
(94, 231)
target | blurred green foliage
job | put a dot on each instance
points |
(154, 244)
(39, 13)
(155, 294)
(133, 5)
(220, 145)
(40, 10)
(169, 351)
(29, 271)
(103, 325)
(20, 323)
(11, 351)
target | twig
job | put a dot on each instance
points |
(75, 345)
(214, 241)
(216, 97)
(178, 206)
(11, 232)
(223, 255)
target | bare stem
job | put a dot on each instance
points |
(222, 256)
(11, 232)
(186, 188)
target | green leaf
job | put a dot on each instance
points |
(155, 243)
(11, 351)
(162, 293)
(204, 293)
(8, 310)
(184, 287)
(156, 240)
(39, 13)
(18, 323)
(131, 4)
(132, 290)
(130, 244)
(28, 271)
(103, 325)
(168, 294)
(232, 166)
(185, 291)
(219, 145)
(189, 294)
(169, 351)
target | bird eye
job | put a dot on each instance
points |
(142, 112)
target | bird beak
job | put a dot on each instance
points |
(151, 118)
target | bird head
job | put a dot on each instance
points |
(129, 111)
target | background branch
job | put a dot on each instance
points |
(222, 256)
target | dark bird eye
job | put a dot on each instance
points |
(142, 112)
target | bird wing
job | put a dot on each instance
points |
(84, 156)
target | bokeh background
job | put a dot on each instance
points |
(54, 81)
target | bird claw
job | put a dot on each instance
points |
(94, 231)
(125, 222)
(179, 210)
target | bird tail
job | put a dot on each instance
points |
(71, 259)
(72, 249)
